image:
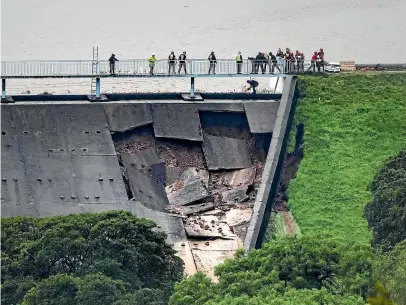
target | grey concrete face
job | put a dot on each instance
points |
(176, 121)
(261, 116)
(122, 117)
(15, 191)
(225, 153)
(63, 157)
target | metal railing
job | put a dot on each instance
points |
(74, 68)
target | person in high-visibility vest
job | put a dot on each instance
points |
(152, 61)
(239, 61)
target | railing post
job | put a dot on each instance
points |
(3, 88)
(192, 87)
(97, 87)
(192, 67)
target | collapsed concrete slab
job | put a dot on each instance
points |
(177, 121)
(261, 116)
(149, 192)
(183, 194)
(245, 176)
(172, 174)
(193, 174)
(225, 153)
(122, 117)
(236, 217)
(191, 209)
(142, 159)
(236, 195)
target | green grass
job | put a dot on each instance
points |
(353, 123)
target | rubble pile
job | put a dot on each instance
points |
(215, 204)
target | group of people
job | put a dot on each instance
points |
(287, 61)
(293, 62)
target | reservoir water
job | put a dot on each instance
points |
(367, 31)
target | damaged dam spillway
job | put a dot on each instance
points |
(204, 171)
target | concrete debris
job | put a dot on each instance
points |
(240, 177)
(186, 194)
(207, 226)
(236, 217)
(193, 174)
(216, 212)
(191, 209)
(236, 195)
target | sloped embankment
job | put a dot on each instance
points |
(353, 123)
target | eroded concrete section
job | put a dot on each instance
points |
(194, 168)
(225, 153)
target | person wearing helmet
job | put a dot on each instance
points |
(213, 61)
(112, 61)
(182, 62)
(151, 62)
(172, 62)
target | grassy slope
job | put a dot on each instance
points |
(353, 123)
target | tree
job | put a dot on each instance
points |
(284, 271)
(390, 271)
(118, 245)
(386, 214)
(97, 289)
(56, 290)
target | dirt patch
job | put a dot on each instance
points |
(290, 167)
(180, 154)
(132, 141)
(290, 224)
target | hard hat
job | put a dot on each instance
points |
(153, 54)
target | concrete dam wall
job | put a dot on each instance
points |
(204, 171)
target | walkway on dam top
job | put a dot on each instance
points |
(140, 68)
